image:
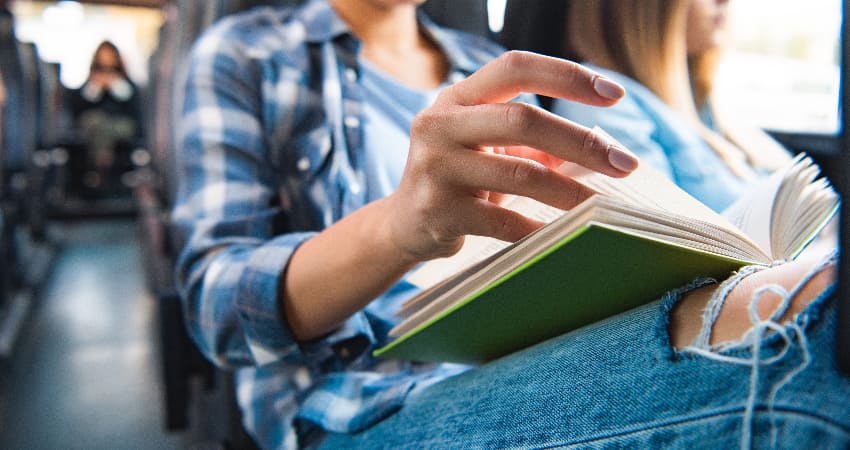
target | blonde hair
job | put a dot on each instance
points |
(646, 41)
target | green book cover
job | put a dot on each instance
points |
(640, 237)
(593, 273)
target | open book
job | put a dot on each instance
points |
(638, 238)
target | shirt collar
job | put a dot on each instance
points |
(323, 24)
(458, 57)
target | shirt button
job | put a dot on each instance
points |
(351, 74)
(355, 188)
(352, 122)
(303, 378)
(303, 164)
(456, 77)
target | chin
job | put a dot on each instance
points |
(392, 3)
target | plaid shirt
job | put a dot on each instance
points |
(271, 152)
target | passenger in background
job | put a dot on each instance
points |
(106, 112)
(665, 54)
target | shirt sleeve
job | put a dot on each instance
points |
(91, 93)
(228, 215)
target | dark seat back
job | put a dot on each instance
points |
(185, 20)
(467, 15)
(536, 26)
(19, 65)
(54, 117)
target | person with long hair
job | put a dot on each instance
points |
(106, 112)
(665, 53)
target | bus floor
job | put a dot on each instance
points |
(85, 372)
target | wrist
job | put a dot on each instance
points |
(392, 232)
(409, 235)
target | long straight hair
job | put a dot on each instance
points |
(109, 46)
(646, 41)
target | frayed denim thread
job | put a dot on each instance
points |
(667, 304)
(718, 299)
(755, 337)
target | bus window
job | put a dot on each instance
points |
(67, 33)
(781, 70)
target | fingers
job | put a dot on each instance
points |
(516, 72)
(520, 124)
(450, 186)
(520, 176)
(490, 220)
(488, 121)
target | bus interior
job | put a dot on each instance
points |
(93, 351)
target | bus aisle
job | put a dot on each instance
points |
(86, 373)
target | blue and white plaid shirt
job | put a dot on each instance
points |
(271, 153)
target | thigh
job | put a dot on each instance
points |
(619, 383)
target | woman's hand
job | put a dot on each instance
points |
(452, 172)
(466, 147)
(103, 80)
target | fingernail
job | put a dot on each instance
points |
(622, 159)
(608, 88)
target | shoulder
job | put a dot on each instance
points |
(254, 34)
(632, 86)
(638, 105)
(633, 120)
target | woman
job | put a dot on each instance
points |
(106, 112)
(318, 165)
(299, 196)
(665, 54)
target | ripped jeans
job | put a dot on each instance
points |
(620, 384)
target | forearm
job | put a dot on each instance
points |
(439, 200)
(339, 271)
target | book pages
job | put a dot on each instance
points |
(645, 188)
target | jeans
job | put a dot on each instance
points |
(619, 384)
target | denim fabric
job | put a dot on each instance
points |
(619, 384)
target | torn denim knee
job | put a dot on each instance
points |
(791, 334)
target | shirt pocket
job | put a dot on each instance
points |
(309, 188)
(308, 154)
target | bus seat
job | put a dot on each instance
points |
(20, 76)
(182, 362)
(467, 15)
(537, 27)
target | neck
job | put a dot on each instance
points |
(393, 42)
(392, 28)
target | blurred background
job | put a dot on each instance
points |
(92, 349)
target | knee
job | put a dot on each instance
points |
(734, 319)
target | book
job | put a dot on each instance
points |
(634, 240)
